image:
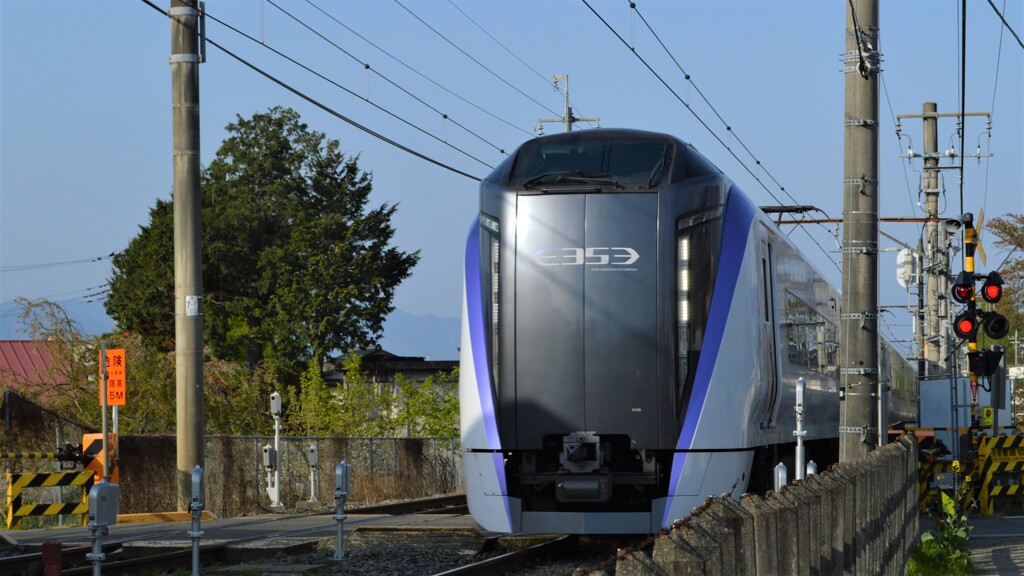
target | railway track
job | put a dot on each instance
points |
(516, 559)
(210, 553)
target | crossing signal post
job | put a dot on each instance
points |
(971, 319)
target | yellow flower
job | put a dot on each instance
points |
(967, 479)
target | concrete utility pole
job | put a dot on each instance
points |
(858, 419)
(931, 210)
(935, 337)
(568, 120)
(188, 269)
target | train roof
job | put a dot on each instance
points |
(633, 158)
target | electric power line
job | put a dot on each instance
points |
(324, 107)
(704, 124)
(513, 54)
(1005, 23)
(337, 85)
(417, 72)
(367, 66)
(29, 267)
(467, 55)
(728, 128)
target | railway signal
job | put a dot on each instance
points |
(967, 323)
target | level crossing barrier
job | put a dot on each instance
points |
(1000, 471)
(17, 483)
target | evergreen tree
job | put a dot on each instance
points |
(295, 263)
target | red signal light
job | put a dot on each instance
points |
(963, 287)
(992, 290)
(992, 293)
(966, 325)
(962, 293)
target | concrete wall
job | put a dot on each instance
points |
(854, 519)
(382, 468)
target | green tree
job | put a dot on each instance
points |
(235, 397)
(313, 409)
(295, 263)
(64, 384)
(429, 407)
(1009, 235)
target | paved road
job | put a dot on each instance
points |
(997, 545)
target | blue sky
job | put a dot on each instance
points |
(85, 101)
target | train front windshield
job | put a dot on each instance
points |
(626, 161)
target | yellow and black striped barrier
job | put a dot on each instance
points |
(1001, 473)
(926, 474)
(16, 483)
(28, 455)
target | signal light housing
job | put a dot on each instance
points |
(963, 287)
(996, 325)
(992, 289)
(966, 325)
(984, 362)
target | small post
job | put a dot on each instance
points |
(103, 407)
(104, 501)
(812, 468)
(270, 465)
(799, 432)
(53, 562)
(342, 484)
(781, 476)
(196, 508)
(314, 465)
(275, 490)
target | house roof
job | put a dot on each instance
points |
(25, 364)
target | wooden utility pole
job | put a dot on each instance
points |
(859, 402)
(188, 269)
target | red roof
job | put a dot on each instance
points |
(25, 364)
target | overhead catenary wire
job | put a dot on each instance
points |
(702, 123)
(324, 107)
(899, 144)
(728, 127)
(367, 66)
(513, 54)
(417, 72)
(1005, 23)
(28, 267)
(995, 90)
(332, 82)
(468, 55)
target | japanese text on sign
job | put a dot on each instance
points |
(115, 378)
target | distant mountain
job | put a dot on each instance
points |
(430, 336)
(405, 334)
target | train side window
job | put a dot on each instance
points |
(491, 266)
(771, 376)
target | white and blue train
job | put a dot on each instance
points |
(633, 328)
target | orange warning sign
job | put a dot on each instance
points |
(115, 378)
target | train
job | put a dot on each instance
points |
(633, 328)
